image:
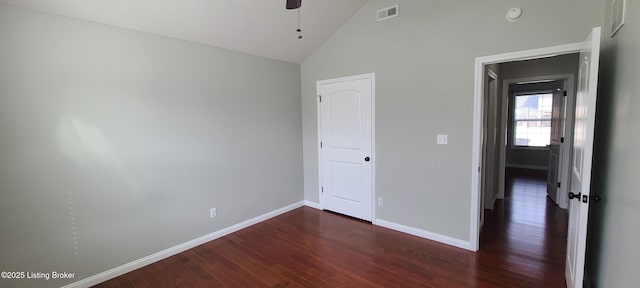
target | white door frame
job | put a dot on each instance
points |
(569, 86)
(480, 63)
(372, 77)
(491, 76)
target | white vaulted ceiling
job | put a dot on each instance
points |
(258, 27)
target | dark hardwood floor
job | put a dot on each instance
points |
(522, 245)
(526, 233)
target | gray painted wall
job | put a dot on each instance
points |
(563, 64)
(424, 65)
(136, 135)
(614, 229)
(145, 133)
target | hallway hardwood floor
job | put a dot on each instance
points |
(526, 233)
(522, 245)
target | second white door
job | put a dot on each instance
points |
(555, 146)
(346, 160)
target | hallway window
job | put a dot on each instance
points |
(532, 122)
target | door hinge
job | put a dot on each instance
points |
(320, 98)
(320, 144)
(565, 93)
(322, 189)
(559, 184)
(561, 139)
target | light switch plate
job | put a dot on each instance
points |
(442, 139)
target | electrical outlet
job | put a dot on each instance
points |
(380, 203)
(212, 213)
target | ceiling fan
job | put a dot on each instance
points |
(295, 4)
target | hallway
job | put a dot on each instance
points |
(526, 233)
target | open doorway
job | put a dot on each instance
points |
(524, 128)
(527, 121)
(538, 126)
(581, 148)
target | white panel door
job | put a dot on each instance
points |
(555, 146)
(346, 146)
(581, 164)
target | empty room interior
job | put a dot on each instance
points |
(319, 143)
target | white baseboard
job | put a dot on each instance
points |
(312, 204)
(492, 204)
(411, 230)
(136, 264)
(425, 234)
(532, 167)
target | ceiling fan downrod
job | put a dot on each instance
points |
(295, 4)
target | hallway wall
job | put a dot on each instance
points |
(614, 229)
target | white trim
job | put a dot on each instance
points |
(552, 78)
(346, 79)
(532, 54)
(480, 63)
(372, 77)
(424, 234)
(374, 157)
(136, 264)
(532, 148)
(616, 28)
(532, 167)
(313, 205)
(492, 74)
(474, 225)
(319, 146)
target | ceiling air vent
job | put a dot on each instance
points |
(387, 13)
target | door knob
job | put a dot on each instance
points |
(574, 196)
(367, 159)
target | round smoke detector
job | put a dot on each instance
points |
(514, 14)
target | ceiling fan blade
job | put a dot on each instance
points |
(294, 4)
